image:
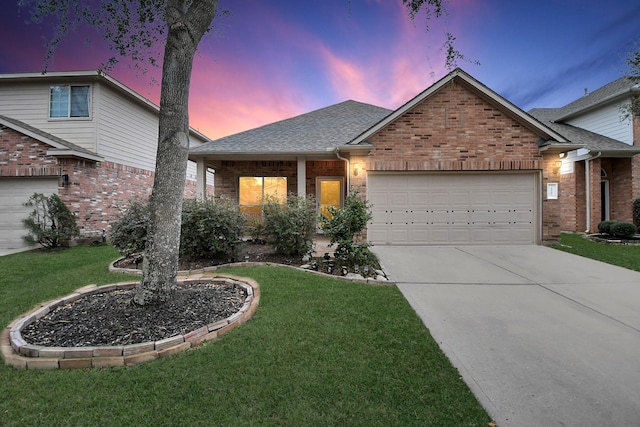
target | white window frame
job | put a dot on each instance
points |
(68, 115)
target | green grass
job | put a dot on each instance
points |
(318, 352)
(627, 256)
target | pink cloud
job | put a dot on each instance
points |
(233, 97)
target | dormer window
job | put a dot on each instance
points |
(69, 101)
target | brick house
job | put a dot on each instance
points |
(600, 180)
(457, 164)
(82, 135)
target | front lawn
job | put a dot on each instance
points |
(627, 256)
(318, 352)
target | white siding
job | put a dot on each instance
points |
(128, 133)
(30, 103)
(607, 121)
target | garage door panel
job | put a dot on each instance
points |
(439, 216)
(14, 192)
(440, 236)
(455, 208)
(459, 217)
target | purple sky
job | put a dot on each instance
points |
(274, 59)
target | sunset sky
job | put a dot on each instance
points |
(275, 59)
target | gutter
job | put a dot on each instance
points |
(348, 163)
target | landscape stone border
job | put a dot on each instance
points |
(20, 354)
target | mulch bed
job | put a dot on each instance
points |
(111, 318)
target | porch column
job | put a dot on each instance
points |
(201, 179)
(302, 176)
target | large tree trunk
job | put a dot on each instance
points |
(160, 267)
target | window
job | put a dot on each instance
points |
(255, 190)
(69, 101)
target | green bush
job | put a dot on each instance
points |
(345, 228)
(254, 227)
(290, 227)
(623, 230)
(50, 223)
(605, 227)
(636, 213)
(210, 229)
(129, 232)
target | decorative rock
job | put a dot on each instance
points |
(354, 276)
(381, 278)
(305, 266)
(306, 258)
(380, 273)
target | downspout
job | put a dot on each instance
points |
(348, 167)
(587, 178)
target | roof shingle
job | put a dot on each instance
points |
(317, 131)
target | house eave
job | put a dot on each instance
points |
(559, 148)
(62, 153)
(328, 154)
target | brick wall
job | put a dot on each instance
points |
(95, 192)
(595, 177)
(454, 130)
(551, 208)
(568, 190)
(635, 166)
(620, 192)
(228, 174)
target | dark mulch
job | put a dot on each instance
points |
(111, 318)
(613, 239)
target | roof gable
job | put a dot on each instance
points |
(458, 76)
(60, 147)
(610, 92)
(584, 138)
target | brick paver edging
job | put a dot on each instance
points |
(20, 354)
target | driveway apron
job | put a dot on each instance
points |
(541, 337)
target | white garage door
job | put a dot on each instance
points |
(14, 192)
(445, 209)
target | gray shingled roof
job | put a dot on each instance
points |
(581, 137)
(609, 91)
(318, 131)
(47, 138)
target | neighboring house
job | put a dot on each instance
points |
(457, 164)
(82, 135)
(600, 180)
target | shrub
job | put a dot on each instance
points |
(346, 226)
(605, 227)
(129, 232)
(290, 227)
(623, 230)
(51, 222)
(636, 213)
(210, 229)
(254, 227)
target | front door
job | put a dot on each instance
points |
(329, 194)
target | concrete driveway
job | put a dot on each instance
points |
(542, 337)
